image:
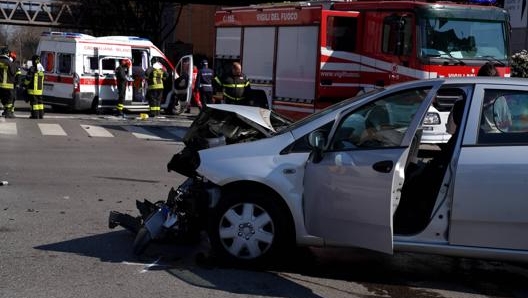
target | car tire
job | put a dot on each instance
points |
(248, 229)
(142, 241)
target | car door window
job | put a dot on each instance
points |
(382, 123)
(504, 117)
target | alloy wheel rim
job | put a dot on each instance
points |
(246, 231)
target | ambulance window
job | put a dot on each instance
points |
(140, 58)
(108, 65)
(90, 65)
(341, 33)
(47, 60)
(64, 63)
(397, 35)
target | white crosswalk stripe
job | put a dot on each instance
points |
(51, 129)
(97, 131)
(142, 133)
(8, 128)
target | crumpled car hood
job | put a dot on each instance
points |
(224, 124)
(256, 116)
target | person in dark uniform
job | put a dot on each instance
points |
(204, 84)
(34, 83)
(235, 86)
(122, 78)
(8, 72)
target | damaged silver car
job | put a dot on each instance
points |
(355, 175)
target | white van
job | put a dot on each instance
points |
(79, 71)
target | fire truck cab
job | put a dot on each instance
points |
(305, 56)
(80, 71)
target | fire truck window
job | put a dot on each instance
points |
(64, 63)
(341, 33)
(397, 35)
(47, 59)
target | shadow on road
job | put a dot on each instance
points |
(183, 262)
(400, 276)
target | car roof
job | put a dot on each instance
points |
(471, 80)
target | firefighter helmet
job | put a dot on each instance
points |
(204, 63)
(35, 59)
(154, 60)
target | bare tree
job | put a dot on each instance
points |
(24, 41)
(133, 18)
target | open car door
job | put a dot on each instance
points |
(184, 68)
(353, 185)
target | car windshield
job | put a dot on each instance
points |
(462, 39)
(328, 110)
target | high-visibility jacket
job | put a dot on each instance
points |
(34, 81)
(234, 87)
(8, 72)
(155, 78)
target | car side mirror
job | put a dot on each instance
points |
(317, 140)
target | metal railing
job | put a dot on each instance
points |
(49, 14)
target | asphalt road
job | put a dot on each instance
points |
(65, 174)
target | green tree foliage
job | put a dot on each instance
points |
(519, 65)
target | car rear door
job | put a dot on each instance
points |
(490, 203)
(351, 194)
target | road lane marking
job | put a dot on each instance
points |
(8, 128)
(142, 133)
(97, 131)
(51, 129)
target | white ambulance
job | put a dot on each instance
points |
(80, 71)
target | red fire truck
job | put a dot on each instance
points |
(307, 55)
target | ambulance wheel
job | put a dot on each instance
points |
(95, 107)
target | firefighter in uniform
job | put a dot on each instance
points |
(235, 86)
(18, 80)
(8, 72)
(204, 84)
(34, 83)
(155, 75)
(122, 78)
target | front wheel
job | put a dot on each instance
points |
(248, 229)
(142, 240)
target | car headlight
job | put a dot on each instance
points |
(431, 118)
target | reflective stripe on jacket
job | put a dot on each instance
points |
(234, 87)
(7, 73)
(155, 79)
(34, 81)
